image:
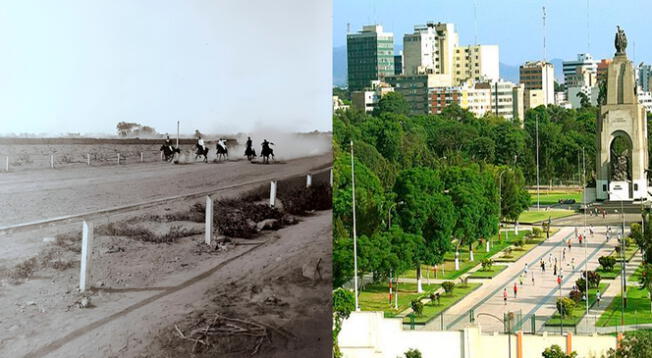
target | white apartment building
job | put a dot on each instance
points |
(645, 98)
(368, 99)
(506, 100)
(477, 63)
(580, 72)
(429, 50)
(476, 97)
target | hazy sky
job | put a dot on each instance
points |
(515, 25)
(217, 66)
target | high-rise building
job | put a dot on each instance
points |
(476, 97)
(370, 55)
(644, 77)
(429, 49)
(533, 98)
(398, 64)
(503, 102)
(603, 65)
(580, 72)
(539, 75)
(478, 63)
(414, 89)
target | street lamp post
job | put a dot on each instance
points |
(355, 237)
(623, 269)
(537, 135)
(586, 261)
(500, 200)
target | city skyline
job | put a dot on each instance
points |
(496, 26)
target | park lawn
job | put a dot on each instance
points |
(637, 310)
(518, 252)
(578, 311)
(533, 216)
(630, 251)
(635, 277)
(550, 198)
(479, 254)
(609, 275)
(431, 310)
(375, 297)
(489, 273)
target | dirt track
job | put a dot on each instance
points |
(39, 194)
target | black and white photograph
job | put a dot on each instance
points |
(165, 178)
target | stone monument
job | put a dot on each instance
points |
(621, 175)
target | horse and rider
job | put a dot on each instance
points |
(202, 149)
(222, 150)
(250, 152)
(168, 150)
(266, 151)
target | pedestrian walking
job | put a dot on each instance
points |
(580, 238)
(573, 263)
(554, 272)
(569, 245)
(505, 295)
(525, 270)
(515, 290)
(597, 298)
(563, 254)
(532, 279)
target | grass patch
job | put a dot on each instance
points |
(431, 309)
(143, 234)
(447, 268)
(578, 311)
(375, 297)
(553, 197)
(518, 252)
(637, 310)
(636, 275)
(609, 275)
(533, 216)
(630, 251)
(489, 273)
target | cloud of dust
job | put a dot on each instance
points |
(286, 145)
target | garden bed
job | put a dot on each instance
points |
(375, 297)
(432, 310)
(578, 311)
(488, 273)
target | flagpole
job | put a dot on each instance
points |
(355, 236)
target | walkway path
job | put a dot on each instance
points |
(531, 299)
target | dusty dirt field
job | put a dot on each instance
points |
(38, 194)
(141, 288)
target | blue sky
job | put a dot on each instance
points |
(218, 66)
(514, 25)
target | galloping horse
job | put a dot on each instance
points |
(266, 152)
(168, 152)
(222, 150)
(250, 153)
(201, 152)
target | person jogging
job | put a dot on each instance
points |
(515, 289)
(505, 295)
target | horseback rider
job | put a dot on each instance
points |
(249, 144)
(222, 143)
(168, 142)
(200, 144)
(266, 145)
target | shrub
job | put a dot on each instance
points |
(618, 250)
(581, 284)
(565, 306)
(538, 232)
(555, 351)
(417, 307)
(434, 297)
(575, 295)
(486, 264)
(448, 286)
(607, 263)
(594, 279)
(413, 353)
(519, 243)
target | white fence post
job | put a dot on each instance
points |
(272, 193)
(52, 161)
(118, 158)
(141, 157)
(161, 155)
(209, 220)
(86, 256)
(331, 176)
(308, 180)
(7, 163)
(88, 159)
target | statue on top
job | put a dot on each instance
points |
(620, 41)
